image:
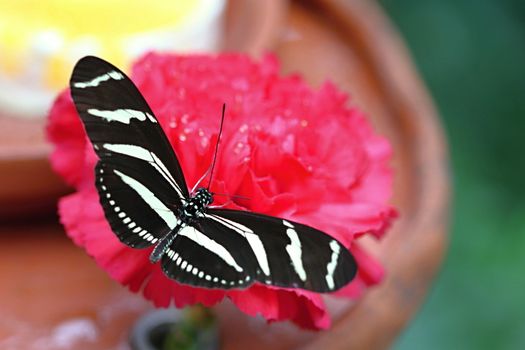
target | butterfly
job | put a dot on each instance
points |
(147, 203)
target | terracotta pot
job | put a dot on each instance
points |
(361, 52)
(51, 282)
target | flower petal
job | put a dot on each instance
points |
(304, 308)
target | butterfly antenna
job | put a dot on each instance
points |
(200, 180)
(217, 145)
(231, 196)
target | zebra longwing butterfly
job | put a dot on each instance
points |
(146, 202)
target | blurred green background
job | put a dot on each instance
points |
(472, 56)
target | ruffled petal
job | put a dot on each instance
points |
(304, 308)
(65, 131)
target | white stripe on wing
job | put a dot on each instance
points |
(96, 81)
(295, 250)
(121, 115)
(253, 240)
(148, 156)
(150, 199)
(330, 267)
(211, 245)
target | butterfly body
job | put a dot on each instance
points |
(188, 213)
(147, 204)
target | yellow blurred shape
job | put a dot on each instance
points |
(90, 17)
(55, 25)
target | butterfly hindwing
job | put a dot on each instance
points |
(268, 250)
(290, 254)
(136, 215)
(207, 254)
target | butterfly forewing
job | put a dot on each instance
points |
(138, 177)
(119, 121)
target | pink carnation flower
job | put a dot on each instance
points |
(297, 153)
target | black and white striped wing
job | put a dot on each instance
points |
(138, 176)
(233, 249)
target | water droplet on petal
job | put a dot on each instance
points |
(238, 147)
(243, 128)
(240, 84)
(304, 123)
(182, 137)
